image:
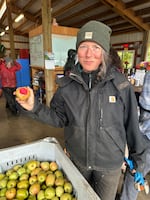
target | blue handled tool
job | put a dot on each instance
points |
(140, 182)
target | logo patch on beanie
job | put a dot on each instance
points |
(88, 35)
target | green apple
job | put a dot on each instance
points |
(23, 184)
(41, 177)
(9, 172)
(16, 167)
(24, 176)
(50, 180)
(66, 196)
(2, 175)
(43, 186)
(31, 197)
(11, 183)
(32, 179)
(49, 192)
(34, 188)
(21, 171)
(41, 195)
(45, 165)
(3, 183)
(68, 187)
(49, 172)
(22, 194)
(58, 173)
(59, 191)
(59, 181)
(13, 176)
(10, 193)
(31, 165)
(55, 198)
(2, 192)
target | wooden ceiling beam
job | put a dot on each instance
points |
(123, 25)
(146, 20)
(135, 3)
(65, 8)
(142, 11)
(93, 17)
(128, 14)
(86, 10)
(17, 11)
(28, 5)
(118, 32)
(113, 20)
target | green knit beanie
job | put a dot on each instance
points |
(97, 32)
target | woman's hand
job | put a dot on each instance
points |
(29, 103)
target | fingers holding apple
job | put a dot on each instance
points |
(25, 97)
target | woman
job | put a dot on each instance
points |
(97, 106)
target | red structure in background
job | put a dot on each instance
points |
(126, 46)
(24, 53)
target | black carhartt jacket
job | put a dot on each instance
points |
(98, 121)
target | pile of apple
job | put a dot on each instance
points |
(39, 180)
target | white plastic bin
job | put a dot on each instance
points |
(48, 149)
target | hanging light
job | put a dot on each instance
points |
(7, 28)
(2, 33)
(21, 16)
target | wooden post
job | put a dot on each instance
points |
(144, 45)
(11, 33)
(47, 45)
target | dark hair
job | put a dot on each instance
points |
(70, 63)
(115, 59)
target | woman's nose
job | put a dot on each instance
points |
(89, 51)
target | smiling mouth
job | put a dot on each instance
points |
(88, 62)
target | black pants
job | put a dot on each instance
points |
(10, 99)
(105, 182)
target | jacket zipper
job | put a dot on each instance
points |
(90, 81)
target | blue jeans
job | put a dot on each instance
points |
(129, 192)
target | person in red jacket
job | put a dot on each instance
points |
(8, 69)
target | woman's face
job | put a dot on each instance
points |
(89, 55)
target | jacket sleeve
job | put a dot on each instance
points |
(16, 66)
(135, 141)
(53, 115)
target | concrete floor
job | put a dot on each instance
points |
(16, 130)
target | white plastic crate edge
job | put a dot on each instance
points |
(48, 149)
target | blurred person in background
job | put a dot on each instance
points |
(70, 62)
(116, 61)
(8, 69)
(129, 192)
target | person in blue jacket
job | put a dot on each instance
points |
(97, 107)
(129, 191)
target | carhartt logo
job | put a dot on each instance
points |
(88, 35)
(112, 99)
